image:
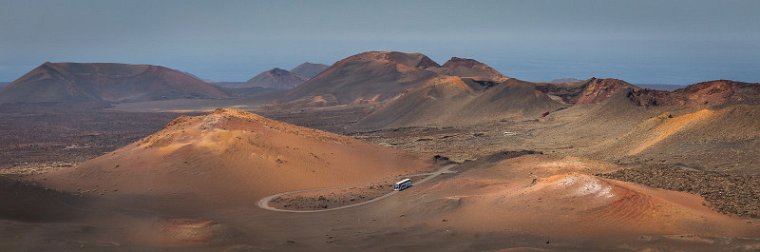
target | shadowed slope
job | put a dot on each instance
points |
(455, 101)
(309, 70)
(25, 201)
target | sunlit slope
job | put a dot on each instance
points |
(230, 156)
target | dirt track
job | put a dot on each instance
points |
(264, 202)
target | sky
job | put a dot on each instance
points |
(643, 41)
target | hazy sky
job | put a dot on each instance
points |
(658, 41)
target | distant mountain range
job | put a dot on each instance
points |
(309, 70)
(403, 89)
(109, 82)
(410, 89)
(278, 78)
(376, 76)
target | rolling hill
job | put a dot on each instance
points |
(108, 82)
(233, 157)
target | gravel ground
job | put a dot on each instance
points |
(727, 193)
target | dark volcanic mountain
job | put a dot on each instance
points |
(410, 89)
(276, 78)
(365, 77)
(376, 76)
(599, 90)
(591, 91)
(717, 92)
(80, 82)
(470, 68)
(309, 70)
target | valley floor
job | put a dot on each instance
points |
(499, 199)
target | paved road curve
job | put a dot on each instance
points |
(264, 202)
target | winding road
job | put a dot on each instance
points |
(264, 202)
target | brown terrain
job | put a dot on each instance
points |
(605, 166)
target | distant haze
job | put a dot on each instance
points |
(668, 42)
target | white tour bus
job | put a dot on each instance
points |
(403, 184)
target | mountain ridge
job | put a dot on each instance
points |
(376, 76)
